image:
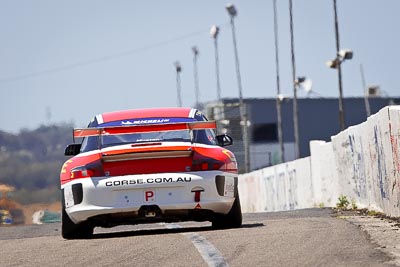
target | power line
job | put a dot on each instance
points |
(101, 59)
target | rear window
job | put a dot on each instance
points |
(199, 136)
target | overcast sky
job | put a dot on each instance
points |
(64, 61)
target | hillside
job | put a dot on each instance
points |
(31, 161)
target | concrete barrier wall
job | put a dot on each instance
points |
(361, 163)
(394, 132)
(285, 186)
(324, 174)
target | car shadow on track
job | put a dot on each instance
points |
(165, 231)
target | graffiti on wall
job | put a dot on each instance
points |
(270, 191)
(281, 191)
(394, 142)
(292, 189)
(358, 162)
(381, 164)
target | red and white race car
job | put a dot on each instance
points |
(146, 166)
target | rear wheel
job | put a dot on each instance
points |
(231, 220)
(71, 230)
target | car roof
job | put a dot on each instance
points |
(146, 113)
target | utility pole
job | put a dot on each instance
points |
(178, 69)
(214, 34)
(295, 108)
(278, 88)
(196, 77)
(339, 69)
(364, 86)
(243, 112)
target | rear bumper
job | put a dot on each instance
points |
(129, 198)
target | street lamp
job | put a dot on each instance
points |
(178, 69)
(243, 114)
(231, 10)
(341, 56)
(214, 34)
(304, 83)
(336, 63)
(196, 77)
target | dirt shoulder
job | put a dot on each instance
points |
(381, 229)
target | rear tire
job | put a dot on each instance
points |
(231, 220)
(70, 230)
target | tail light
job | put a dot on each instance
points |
(207, 164)
(93, 169)
(81, 172)
(203, 163)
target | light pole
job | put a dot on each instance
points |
(243, 113)
(214, 34)
(341, 56)
(196, 77)
(278, 88)
(365, 91)
(304, 83)
(341, 108)
(178, 69)
(295, 108)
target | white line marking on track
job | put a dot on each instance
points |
(210, 254)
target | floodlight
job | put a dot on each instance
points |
(195, 50)
(231, 10)
(373, 90)
(346, 54)
(178, 66)
(333, 64)
(214, 31)
(306, 85)
(299, 80)
(280, 97)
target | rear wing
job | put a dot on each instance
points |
(147, 128)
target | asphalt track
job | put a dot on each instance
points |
(313, 237)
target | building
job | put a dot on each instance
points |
(318, 119)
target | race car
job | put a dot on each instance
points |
(147, 166)
(5, 217)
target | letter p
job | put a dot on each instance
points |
(149, 196)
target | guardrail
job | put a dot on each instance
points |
(361, 163)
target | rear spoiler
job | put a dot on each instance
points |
(148, 128)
